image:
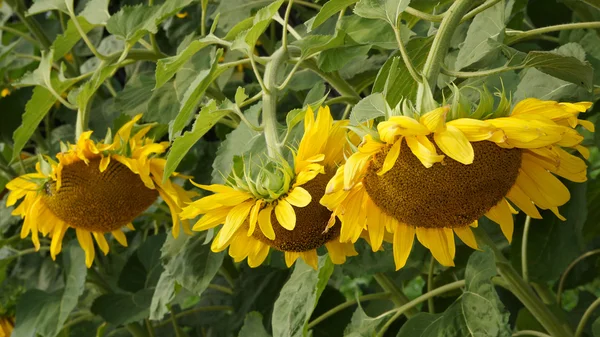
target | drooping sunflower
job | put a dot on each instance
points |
(280, 211)
(95, 188)
(433, 176)
(7, 325)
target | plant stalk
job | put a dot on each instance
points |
(398, 296)
(269, 109)
(440, 45)
(553, 324)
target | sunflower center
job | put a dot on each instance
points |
(311, 222)
(98, 201)
(448, 194)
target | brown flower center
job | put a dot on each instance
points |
(311, 222)
(95, 201)
(448, 194)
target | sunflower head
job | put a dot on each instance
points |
(7, 325)
(435, 174)
(95, 188)
(272, 203)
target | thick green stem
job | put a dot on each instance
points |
(440, 45)
(398, 296)
(553, 324)
(269, 113)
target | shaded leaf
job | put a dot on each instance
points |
(246, 40)
(330, 8)
(253, 326)
(362, 325)
(66, 41)
(388, 10)
(120, 309)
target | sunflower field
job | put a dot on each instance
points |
(288, 168)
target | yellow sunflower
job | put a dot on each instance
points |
(434, 178)
(280, 211)
(95, 188)
(7, 325)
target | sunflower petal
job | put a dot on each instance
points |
(502, 215)
(298, 197)
(466, 236)
(264, 222)
(455, 145)
(404, 236)
(85, 241)
(440, 242)
(286, 216)
(391, 157)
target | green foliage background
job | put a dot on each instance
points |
(185, 64)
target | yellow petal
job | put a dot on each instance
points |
(291, 257)
(311, 258)
(120, 237)
(585, 152)
(435, 120)
(455, 145)
(466, 235)
(104, 163)
(547, 184)
(264, 222)
(85, 241)
(404, 236)
(211, 219)
(236, 217)
(391, 157)
(502, 215)
(519, 198)
(474, 129)
(587, 125)
(440, 242)
(285, 215)
(375, 225)
(422, 148)
(57, 237)
(101, 240)
(298, 197)
(254, 216)
(216, 188)
(258, 255)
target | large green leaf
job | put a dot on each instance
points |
(206, 119)
(399, 82)
(478, 312)
(66, 41)
(374, 32)
(194, 93)
(362, 325)
(167, 67)
(388, 10)
(126, 308)
(39, 312)
(247, 39)
(487, 27)
(41, 6)
(299, 297)
(329, 9)
(232, 11)
(253, 326)
(567, 68)
(368, 108)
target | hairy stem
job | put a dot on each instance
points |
(269, 113)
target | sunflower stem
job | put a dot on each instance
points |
(398, 296)
(439, 47)
(586, 316)
(430, 301)
(524, 268)
(563, 278)
(269, 113)
(554, 325)
(338, 308)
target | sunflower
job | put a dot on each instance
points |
(95, 188)
(280, 211)
(7, 324)
(433, 178)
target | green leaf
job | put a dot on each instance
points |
(237, 142)
(167, 67)
(133, 22)
(374, 32)
(206, 119)
(247, 39)
(368, 108)
(313, 44)
(329, 9)
(487, 25)
(399, 82)
(39, 312)
(66, 41)
(567, 68)
(596, 327)
(362, 325)
(240, 95)
(253, 326)
(194, 93)
(195, 265)
(36, 109)
(133, 99)
(162, 106)
(41, 6)
(231, 11)
(335, 59)
(96, 12)
(164, 293)
(87, 91)
(478, 312)
(388, 10)
(126, 308)
(298, 298)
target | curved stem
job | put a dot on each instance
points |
(401, 310)
(424, 16)
(397, 295)
(516, 36)
(84, 36)
(440, 46)
(289, 77)
(221, 288)
(335, 310)
(430, 301)
(193, 311)
(21, 34)
(586, 317)
(524, 267)
(480, 73)
(284, 40)
(478, 10)
(407, 62)
(530, 333)
(555, 325)
(563, 277)
(269, 113)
